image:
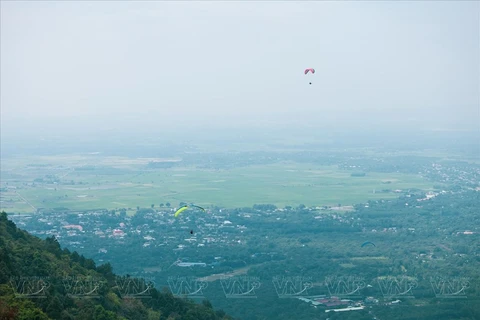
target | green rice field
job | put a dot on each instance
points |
(126, 183)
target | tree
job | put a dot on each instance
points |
(8, 312)
(207, 304)
(54, 308)
(102, 314)
(154, 315)
(52, 245)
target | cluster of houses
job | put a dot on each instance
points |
(68, 226)
(337, 304)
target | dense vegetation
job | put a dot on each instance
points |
(28, 263)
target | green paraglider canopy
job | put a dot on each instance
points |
(181, 209)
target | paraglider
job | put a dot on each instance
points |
(311, 70)
(366, 243)
(180, 211)
(186, 207)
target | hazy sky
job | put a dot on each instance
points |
(118, 64)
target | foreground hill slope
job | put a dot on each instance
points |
(39, 280)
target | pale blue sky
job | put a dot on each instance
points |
(126, 64)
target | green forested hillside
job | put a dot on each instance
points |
(39, 280)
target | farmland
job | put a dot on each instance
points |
(84, 182)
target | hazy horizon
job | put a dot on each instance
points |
(79, 68)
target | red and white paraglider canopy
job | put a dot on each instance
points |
(309, 70)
